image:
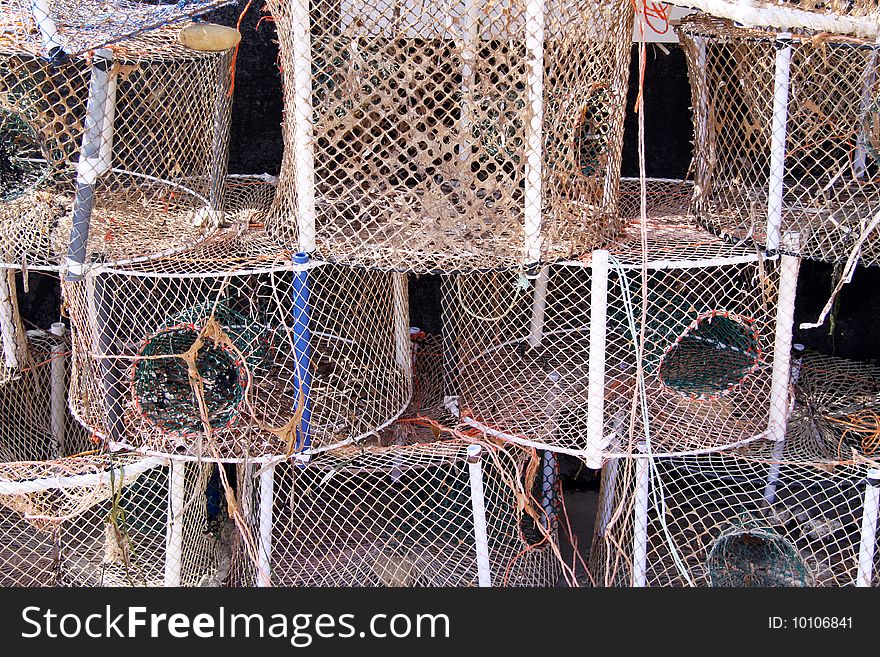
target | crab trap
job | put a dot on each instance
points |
(444, 513)
(555, 364)
(112, 156)
(786, 138)
(238, 348)
(460, 135)
(770, 514)
(55, 30)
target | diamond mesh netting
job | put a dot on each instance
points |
(451, 136)
(786, 137)
(127, 145)
(55, 29)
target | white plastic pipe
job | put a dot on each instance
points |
(303, 137)
(478, 504)
(773, 473)
(267, 499)
(470, 26)
(779, 382)
(860, 163)
(7, 323)
(778, 134)
(701, 118)
(534, 131)
(403, 350)
(609, 488)
(868, 544)
(58, 390)
(640, 521)
(596, 442)
(539, 306)
(52, 42)
(174, 523)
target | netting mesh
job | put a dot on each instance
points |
(55, 29)
(454, 135)
(228, 351)
(519, 352)
(805, 162)
(402, 516)
(129, 146)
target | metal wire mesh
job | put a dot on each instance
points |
(451, 136)
(786, 137)
(399, 516)
(56, 29)
(131, 142)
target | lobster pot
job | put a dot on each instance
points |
(230, 351)
(786, 136)
(56, 29)
(451, 136)
(150, 154)
(396, 516)
(520, 355)
(35, 424)
(104, 520)
(725, 519)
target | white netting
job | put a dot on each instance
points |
(230, 350)
(14, 357)
(400, 516)
(786, 137)
(451, 136)
(128, 146)
(519, 352)
(56, 29)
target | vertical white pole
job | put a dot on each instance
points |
(781, 375)
(8, 323)
(478, 504)
(868, 543)
(609, 488)
(596, 374)
(48, 31)
(303, 137)
(640, 521)
(549, 480)
(403, 355)
(779, 131)
(58, 390)
(860, 163)
(539, 305)
(703, 157)
(470, 28)
(534, 131)
(174, 523)
(267, 498)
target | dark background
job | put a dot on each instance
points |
(256, 147)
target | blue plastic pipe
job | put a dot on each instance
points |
(302, 353)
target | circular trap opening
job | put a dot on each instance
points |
(162, 387)
(22, 165)
(755, 557)
(715, 354)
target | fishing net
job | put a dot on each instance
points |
(451, 136)
(57, 29)
(786, 138)
(397, 516)
(859, 18)
(519, 351)
(129, 145)
(14, 355)
(229, 350)
(760, 516)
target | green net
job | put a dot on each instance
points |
(163, 391)
(749, 555)
(712, 356)
(22, 167)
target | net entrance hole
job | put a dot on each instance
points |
(711, 357)
(755, 557)
(22, 167)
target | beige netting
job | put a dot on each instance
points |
(519, 352)
(751, 519)
(55, 29)
(129, 144)
(786, 137)
(399, 516)
(229, 350)
(14, 356)
(454, 135)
